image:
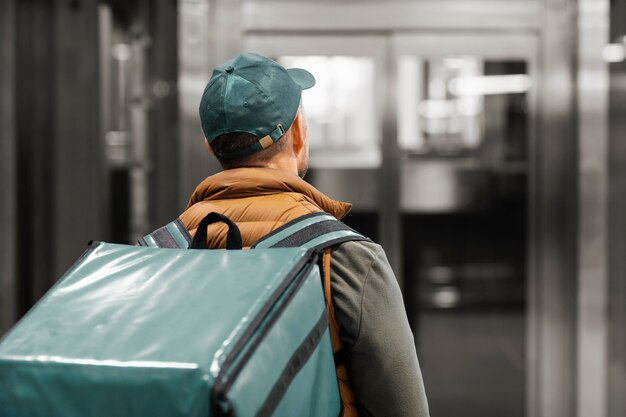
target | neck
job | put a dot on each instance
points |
(289, 165)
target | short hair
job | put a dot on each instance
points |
(235, 141)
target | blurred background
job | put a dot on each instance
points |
(482, 142)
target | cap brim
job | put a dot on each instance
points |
(302, 77)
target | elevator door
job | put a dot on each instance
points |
(464, 123)
(458, 140)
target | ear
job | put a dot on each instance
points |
(298, 134)
(208, 147)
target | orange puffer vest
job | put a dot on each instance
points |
(261, 200)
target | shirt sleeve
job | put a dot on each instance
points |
(381, 358)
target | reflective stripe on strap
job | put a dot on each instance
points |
(173, 235)
(290, 228)
(314, 231)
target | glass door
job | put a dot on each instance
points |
(464, 123)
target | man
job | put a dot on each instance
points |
(254, 124)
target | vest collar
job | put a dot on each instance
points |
(249, 182)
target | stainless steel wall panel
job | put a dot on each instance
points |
(390, 223)
(164, 201)
(105, 29)
(8, 178)
(593, 83)
(514, 15)
(139, 131)
(196, 40)
(533, 319)
(35, 142)
(79, 151)
(617, 221)
(553, 270)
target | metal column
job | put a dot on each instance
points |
(78, 152)
(593, 84)
(551, 381)
(617, 236)
(164, 195)
(390, 227)
(34, 97)
(8, 191)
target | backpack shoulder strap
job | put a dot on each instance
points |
(173, 235)
(320, 231)
(313, 231)
(348, 401)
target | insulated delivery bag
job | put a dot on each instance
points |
(166, 330)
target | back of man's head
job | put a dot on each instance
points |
(236, 141)
(248, 108)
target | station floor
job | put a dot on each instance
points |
(473, 363)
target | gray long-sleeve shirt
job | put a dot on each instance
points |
(381, 358)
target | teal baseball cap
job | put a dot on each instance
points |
(253, 94)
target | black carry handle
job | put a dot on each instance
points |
(233, 238)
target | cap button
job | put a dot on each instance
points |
(229, 69)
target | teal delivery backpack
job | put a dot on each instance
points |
(170, 329)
